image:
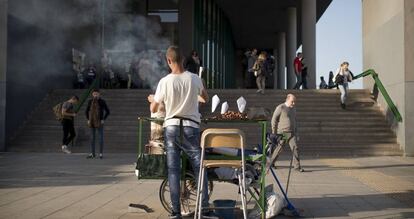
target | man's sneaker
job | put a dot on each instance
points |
(65, 149)
(175, 216)
(90, 156)
(300, 169)
(258, 91)
(100, 156)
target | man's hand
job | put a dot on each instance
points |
(102, 122)
(73, 114)
(151, 98)
(89, 122)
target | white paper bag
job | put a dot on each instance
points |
(224, 107)
(200, 72)
(214, 103)
(241, 104)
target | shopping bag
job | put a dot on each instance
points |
(151, 166)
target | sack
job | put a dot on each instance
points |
(339, 79)
(275, 204)
(57, 110)
(255, 73)
(151, 166)
(258, 113)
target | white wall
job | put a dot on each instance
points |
(385, 48)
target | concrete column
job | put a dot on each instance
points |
(291, 46)
(309, 39)
(3, 69)
(408, 118)
(275, 75)
(281, 60)
(186, 25)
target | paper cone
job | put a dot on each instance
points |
(200, 72)
(241, 104)
(224, 107)
(214, 103)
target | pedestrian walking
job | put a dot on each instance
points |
(259, 69)
(96, 112)
(284, 122)
(342, 78)
(179, 92)
(68, 117)
(297, 66)
(251, 57)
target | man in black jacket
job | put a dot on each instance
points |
(96, 113)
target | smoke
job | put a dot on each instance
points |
(43, 33)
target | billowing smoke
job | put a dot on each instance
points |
(53, 27)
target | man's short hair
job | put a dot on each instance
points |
(95, 90)
(74, 97)
(290, 96)
(299, 53)
(174, 54)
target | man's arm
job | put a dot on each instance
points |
(106, 109)
(203, 97)
(275, 119)
(87, 110)
(153, 104)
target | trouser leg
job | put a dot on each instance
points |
(72, 133)
(298, 81)
(101, 139)
(258, 82)
(93, 131)
(343, 90)
(65, 128)
(173, 164)
(263, 82)
(295, 150)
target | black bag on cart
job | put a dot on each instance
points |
(151, 166)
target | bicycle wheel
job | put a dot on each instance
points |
(188, 194)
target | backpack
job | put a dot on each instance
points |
(57, 110)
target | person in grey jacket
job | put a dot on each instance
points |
(284, 122)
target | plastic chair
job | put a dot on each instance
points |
(219, 138)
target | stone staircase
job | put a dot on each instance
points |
(325, 129)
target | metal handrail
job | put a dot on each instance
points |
(383, 91)
(86, 94)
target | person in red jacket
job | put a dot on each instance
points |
(297, 65)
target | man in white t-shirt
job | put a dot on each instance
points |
(179, 91)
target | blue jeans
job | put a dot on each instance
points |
(344, 92)
(190, 146)
(101, 143)
(299, 81)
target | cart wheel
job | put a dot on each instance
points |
(188, 195)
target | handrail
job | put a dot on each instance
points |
(384, 92)
(86, 94)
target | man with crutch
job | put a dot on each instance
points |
(284, 123)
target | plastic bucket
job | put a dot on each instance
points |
(225, 213)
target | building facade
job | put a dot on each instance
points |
(388, 48)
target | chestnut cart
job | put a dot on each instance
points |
(188, 183)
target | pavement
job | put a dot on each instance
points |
(54, 185)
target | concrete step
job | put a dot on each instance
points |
(325, 129)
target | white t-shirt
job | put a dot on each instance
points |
(179, 92)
